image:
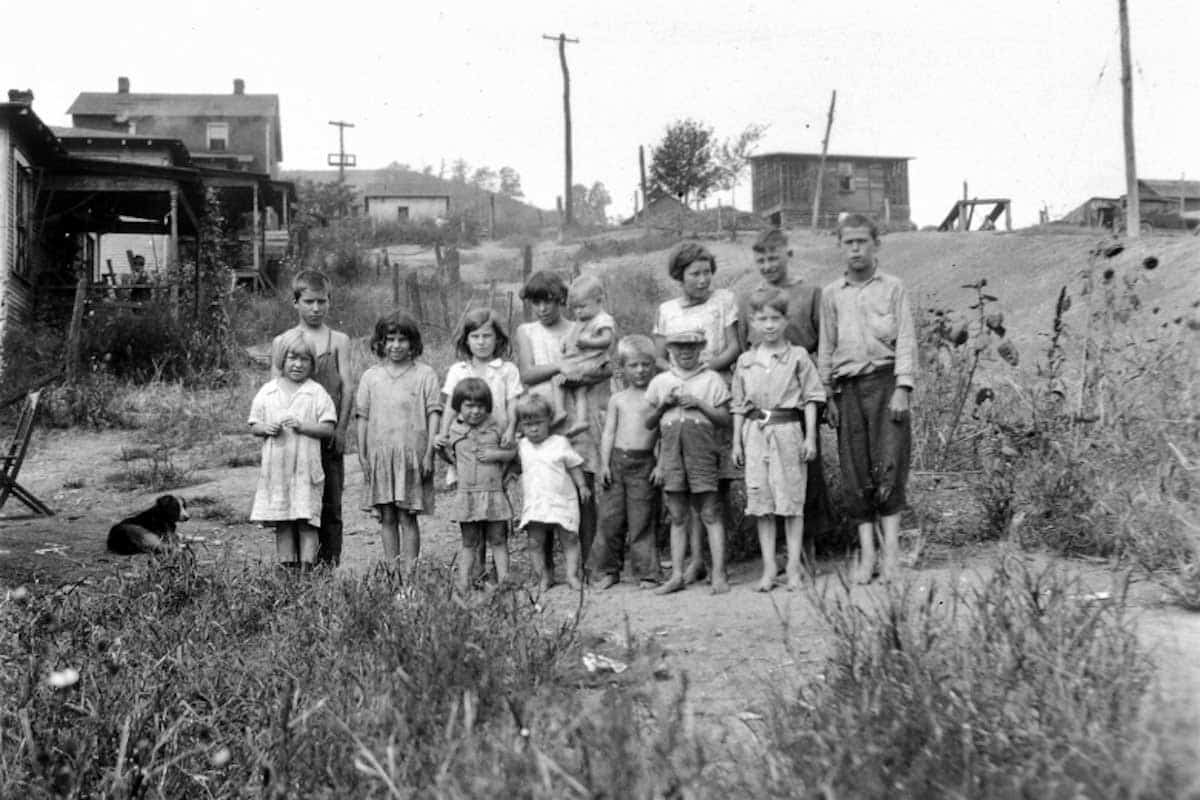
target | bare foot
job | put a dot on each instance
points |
(670, 587)
(766, 584)
(574, 583)
(720, 585)
(544, 584)
(695, 572)
(864, 569)
(794, 581)
(607, 581)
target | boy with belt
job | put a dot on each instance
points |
(867, 359)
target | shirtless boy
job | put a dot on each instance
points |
(627, 473)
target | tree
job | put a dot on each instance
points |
(510, 183)
(427, 169)
(734, 155)
(591, 205)
(398, 166)
(459, 169)
(484, 178)
(317, 203)
(685, 162)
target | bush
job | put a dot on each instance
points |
(1021, 687)
(195, 681)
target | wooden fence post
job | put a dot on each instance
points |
(414, 296)
(396, 284)
(526, 274)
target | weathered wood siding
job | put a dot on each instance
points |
(16, 292)
(783, 188)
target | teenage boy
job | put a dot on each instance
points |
(628, 474)
(867, 359)
(773, 257)
(311, 291)
(691, 409)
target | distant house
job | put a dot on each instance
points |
(397, 202)
(1163, 197)
(236, 131)
(384, 192)
(1162, 204)
(784, 184)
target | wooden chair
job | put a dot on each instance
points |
(14, 456)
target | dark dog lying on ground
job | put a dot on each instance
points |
(150, 531)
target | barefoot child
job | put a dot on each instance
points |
(691, 403)
(399, 411)
(292, 414)
(553, 486)
(628, 473)
(311, 292)
(475, 446)
(775, 395)
(867, 359)
(586, 347)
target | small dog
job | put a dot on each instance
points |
(151, 531)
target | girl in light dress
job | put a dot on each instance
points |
(292, 414)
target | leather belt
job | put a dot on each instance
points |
(775, 416)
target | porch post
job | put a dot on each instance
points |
(174, 274)
(256, 244)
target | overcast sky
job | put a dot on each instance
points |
(1021, 98)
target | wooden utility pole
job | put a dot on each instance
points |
(569, 206)
(342, 159)
(1133, 211)
(816, 204)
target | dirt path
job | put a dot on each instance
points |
(733, 647)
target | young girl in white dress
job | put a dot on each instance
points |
(292, 414)
(553, 486)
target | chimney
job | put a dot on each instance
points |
(19, 96)
(239, 86)
(122, 85)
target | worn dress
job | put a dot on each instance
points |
(396, 409)
(290, 478)
(765, 380)
(479, 496)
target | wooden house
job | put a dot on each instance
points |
(66, 195)
(784, 185)
(1165, 197)
(235, 131)
(26, 145)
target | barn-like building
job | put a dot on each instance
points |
(784, 185)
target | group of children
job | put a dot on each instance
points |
(695, 412)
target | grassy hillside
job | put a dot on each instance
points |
(1025, 271)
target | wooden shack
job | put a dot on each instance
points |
(784, 185)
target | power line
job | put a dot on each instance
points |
(341, 159)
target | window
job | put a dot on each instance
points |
(845, 176)
(402, 213)
(218, 136)
(23, 215)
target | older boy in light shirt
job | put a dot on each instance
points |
(867, 359)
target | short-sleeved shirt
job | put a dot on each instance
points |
(546, 486)
(502, 377)
(395, 410)
(702, 383)
(713, 317)
(290, 479)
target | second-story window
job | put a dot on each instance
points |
(218, 136)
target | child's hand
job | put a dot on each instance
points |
(442, 441)
(688, 400)
(338, 442)
(671, 399)
(427, 464)
(810, 450)
(831, 412)
(290, 422)
(656, 476)
(508, 440)
(585, 493)
(739, 456)
(270, 428)
(605, 476)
